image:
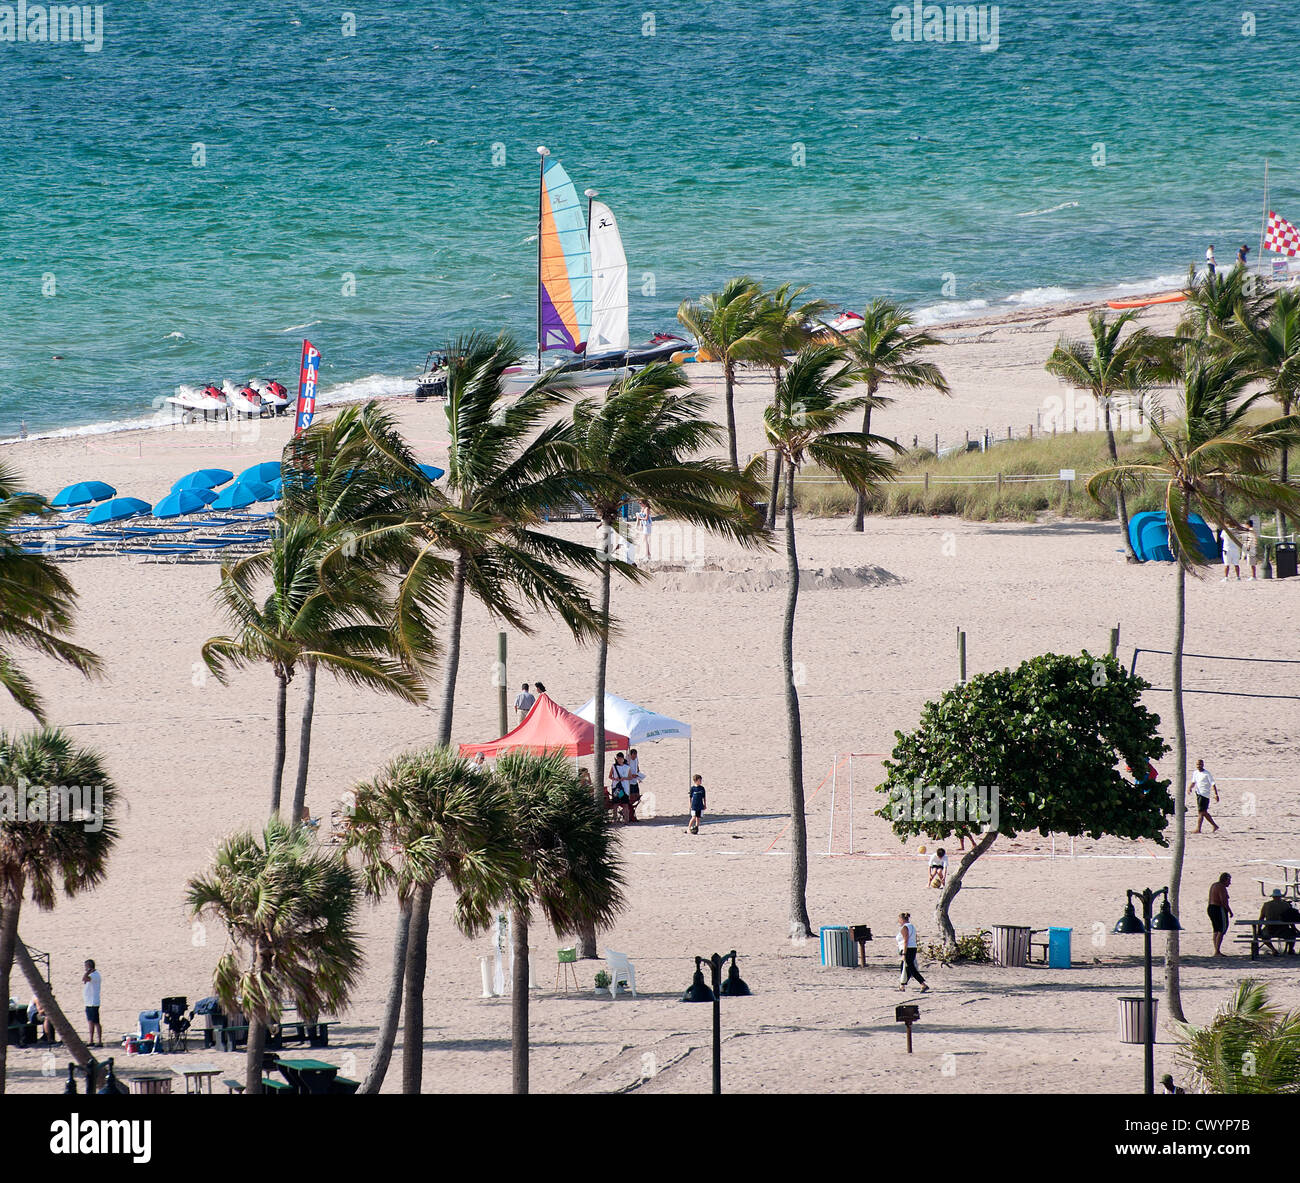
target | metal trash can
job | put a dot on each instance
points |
(1131, 1027)
(837, 948)
(1284, 560)
(1010, 945)
(1058, 948)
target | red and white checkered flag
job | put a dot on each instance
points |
(1281, 236)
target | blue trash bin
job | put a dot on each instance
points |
(837, 948)
(1058, 948)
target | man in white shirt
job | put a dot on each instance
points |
(1209, 260)
(1202, 785)
(90, 996)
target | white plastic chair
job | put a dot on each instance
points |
(620, 970)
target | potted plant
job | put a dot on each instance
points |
(602, 980)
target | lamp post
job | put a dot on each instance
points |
(697, 991)
(1128, 924)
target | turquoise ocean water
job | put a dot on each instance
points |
(377, 191)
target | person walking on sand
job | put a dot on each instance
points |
(90, 991)
(1231, 556)
(1250, 546)
(907, 951)
(1242, 251)
(1219, 911)
(698, 804)
(939, 868)
(645, 523)
(1202, 785)
(1209, 260)
(524, 702)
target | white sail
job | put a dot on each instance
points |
(608, 284)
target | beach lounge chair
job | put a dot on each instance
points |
(620, 970)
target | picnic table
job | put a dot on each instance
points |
(1257, 936)
(1289, 884)
(198, 1077)
(312, 1077)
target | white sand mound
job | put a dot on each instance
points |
(734, 577)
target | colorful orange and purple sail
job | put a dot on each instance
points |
(564, 264)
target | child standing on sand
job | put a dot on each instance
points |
(697, 804)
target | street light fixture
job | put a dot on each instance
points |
(1130, 925)
(698, 991)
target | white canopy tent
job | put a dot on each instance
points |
(639, 724)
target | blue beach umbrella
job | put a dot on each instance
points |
(182, 502)
(430, 471)
(266, 472)
(203, 478)
(243, 494)
(116, 510)
(82, 493)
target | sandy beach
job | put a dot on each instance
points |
(875, 638)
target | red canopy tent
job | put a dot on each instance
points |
(548, 728)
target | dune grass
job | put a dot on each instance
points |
(1046, 456)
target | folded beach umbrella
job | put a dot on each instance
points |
(183, 501)
(116, 510)
(430, 471)
(267, 471)
(82, 493)
(242, 494)
(204, 478)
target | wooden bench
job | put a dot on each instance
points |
(1034, 943)
(231, 1039)
(232, 1085)
(276, 1086)
(341, 1084)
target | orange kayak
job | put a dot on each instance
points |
(1147, 301)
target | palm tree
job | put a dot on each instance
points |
(289, 907)
(1250, 1046)
(1106, 366)
(730, 326)
(317, 613)
(59, 838)
(571, 868)
(1213, 304)
(640, 442)
(37, 602)
(1210, 455)
(883, 353)
(801, 425)
(430, 815)
(1270, 348)
(504, 470)
(790, 321)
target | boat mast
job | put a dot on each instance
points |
(1263, 228)
(543, 152)
(590, 195)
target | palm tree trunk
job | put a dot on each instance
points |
(950, 889)
(1121, 503)
(417, 946)
(1173, 1000)
(775, 494)
(519, 1005)
(383, 1052)
(417, 960)
(587, 933)
(63, 1027)
(729, 382)
(304, 746)
(12, 903)
(253, 1056)
(281, 743)
(860, 513)
(800, 925)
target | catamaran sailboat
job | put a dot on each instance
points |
(581, 296)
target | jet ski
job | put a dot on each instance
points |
(188, 401)
(246, 401)
(432, 381)
(274, 396)
(841, 323)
